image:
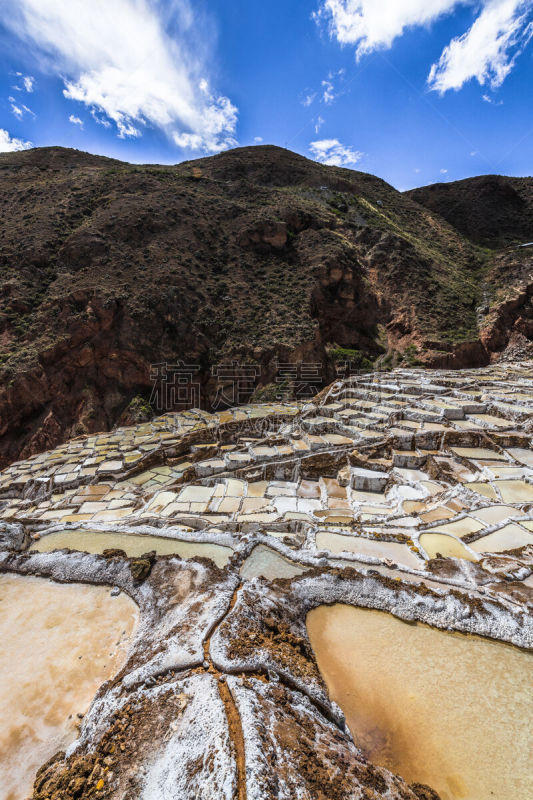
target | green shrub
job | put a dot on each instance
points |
(410, 354)
(140, 408)
(357, 359)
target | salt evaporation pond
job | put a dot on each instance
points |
(509, 537)
(494, 514)
(60, 642)
(133, 545)
(444, 709)
(338, 543)
(447, 546)
(266, 563)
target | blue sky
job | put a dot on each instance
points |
(415, 91)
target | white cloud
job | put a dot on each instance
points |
(374, 24)
(328, 92)
(131, 62)
(9, 144)
(19, 109)
(488, 99)
(333, 153)
(100, 120)
(443, 171)
(75, 120)
(28, 82)
(308, 99)
(258, 139)
(488, 50)
(15, 109)
(318, 124)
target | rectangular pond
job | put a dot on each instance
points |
(134, 545)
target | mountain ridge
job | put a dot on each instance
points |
(491, 210)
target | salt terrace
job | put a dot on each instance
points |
(386, 458)
(408, 491)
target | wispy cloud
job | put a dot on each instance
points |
(318, 124)
(333, 153)
(27, 82)
(487, 51)
(8, 143)
(131, 62)
(99, 119)
(328, 92)
(19, 109)
(308, 99)
(76, 120)
(15, 109)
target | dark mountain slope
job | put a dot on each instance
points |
(491, 210)
(253, 255)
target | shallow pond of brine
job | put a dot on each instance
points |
(436, 544)
(266, 563)
(60, 642)
(133, 545)
(447, 710)
(338, 543)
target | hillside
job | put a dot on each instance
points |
(254, 255)
(491, 210)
